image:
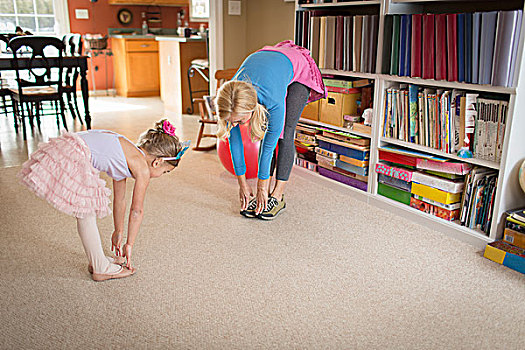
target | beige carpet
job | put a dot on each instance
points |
(330, 273)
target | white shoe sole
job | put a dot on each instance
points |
(271, 217)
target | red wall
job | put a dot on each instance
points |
(103, 16)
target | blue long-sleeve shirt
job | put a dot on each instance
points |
(270, 73)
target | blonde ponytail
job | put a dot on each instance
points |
(239, 97)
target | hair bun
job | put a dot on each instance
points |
(159, 126)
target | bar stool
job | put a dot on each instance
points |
(199, 65)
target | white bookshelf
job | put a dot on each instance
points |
(508, 194)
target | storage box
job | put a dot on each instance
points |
(393, 193)
(514, 237)
(506, 254)
(336, 105)
(311, 111)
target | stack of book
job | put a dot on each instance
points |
(343, 157)
(450, 190)
(510, 251)
(478, 198)
(478, 48)
(339, 42)
(305, 144)
(447, 120)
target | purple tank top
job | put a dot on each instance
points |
(106, 152)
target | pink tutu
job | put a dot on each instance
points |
(60, 171)
(305, 71)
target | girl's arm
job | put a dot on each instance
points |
(136, 212)
(119, 211)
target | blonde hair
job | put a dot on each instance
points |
(239, 97)
(159, 144)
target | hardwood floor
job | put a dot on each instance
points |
(127, 116)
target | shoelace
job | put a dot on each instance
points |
(272, 203)
(252, 205)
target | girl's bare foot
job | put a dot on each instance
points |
(117, 260)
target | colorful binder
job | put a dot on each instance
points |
(415, 60)
(452, 47)
(429, 47)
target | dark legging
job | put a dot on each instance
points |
(296, 99)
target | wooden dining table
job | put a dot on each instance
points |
(6, 63)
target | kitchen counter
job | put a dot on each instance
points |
(181, 39)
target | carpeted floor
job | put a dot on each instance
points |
(330, 273)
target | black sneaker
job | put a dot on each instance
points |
(273, 209)
(250, 211)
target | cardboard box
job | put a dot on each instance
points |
(514, 237)
(311, 111)
(336, 105)
(506, 254)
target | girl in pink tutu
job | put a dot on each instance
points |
(65, 172)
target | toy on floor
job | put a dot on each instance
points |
(251, 153)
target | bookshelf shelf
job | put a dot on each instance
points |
(431, 220)
(448, 84)
(313, 122)
(348, 73)
(508, 194)
(341, 4)
(425, 149)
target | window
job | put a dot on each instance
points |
(37, 16)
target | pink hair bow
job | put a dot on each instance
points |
(168, 128)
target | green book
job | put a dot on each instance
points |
(394, 59)
(393, 193)
(338, 83)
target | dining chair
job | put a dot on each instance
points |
(201, 66)
(5, 93)
(43, 81)
(207, 111)
(73, 43)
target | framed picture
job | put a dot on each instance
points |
(124, 16)
(199, 10)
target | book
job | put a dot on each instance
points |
(471, 114)
(416, 45)
(374, 28)
(501, 62)
(396, 172)
(329, 46)
(394, 59)
(438, 182)
(444, 167)
(365, 44)
(357, 33)
(342, 178)
(387, 44)
(348, 40)
(315, 23)
(431, 49)
(353, 161)
(435, 194)
(403, 35)
(476, 37)
(486, 49)
(414, 127)
(394, 182)
(452, 47)
(453, 206)
(393, 193)
(322, 42)
(449, 215)
(468, 48)
(518, 214)
(461, 46)
(514, 54)
(339, 43)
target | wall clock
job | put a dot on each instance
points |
(124, 16)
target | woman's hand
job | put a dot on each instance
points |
(127, 250)
(116, 242)
(262, 196)
(245, 191)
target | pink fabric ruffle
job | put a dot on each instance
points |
(60, 172)
(305, 69)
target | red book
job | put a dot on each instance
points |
(415, 60)
(441, 47)
(452, 47)
(428, 47)
(339, 28)
(397, 158)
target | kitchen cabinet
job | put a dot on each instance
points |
(136, 66)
